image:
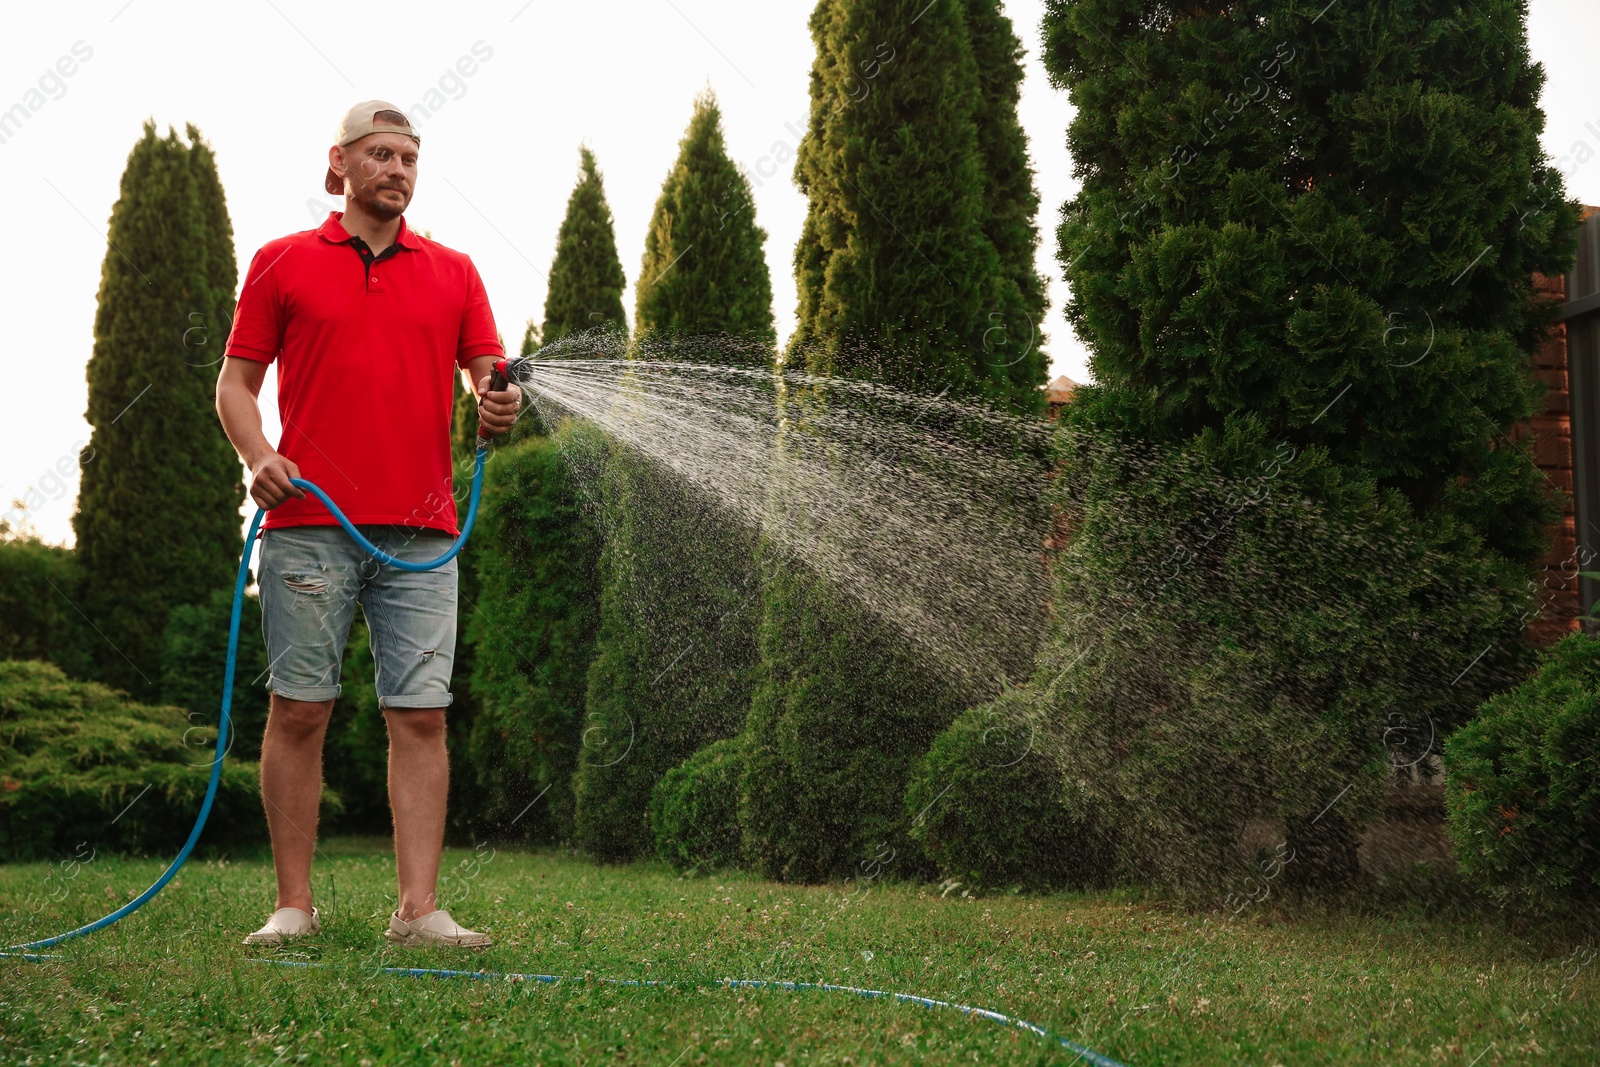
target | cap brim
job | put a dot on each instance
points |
(333, 183)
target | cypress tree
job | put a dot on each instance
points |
(898, 277)
(222, 265)
(1313, 228)
(158, 512)
(586, 281)
(1011, 337)
(679, 606)
(705, 269)
(896, 274)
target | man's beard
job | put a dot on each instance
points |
(366, 196)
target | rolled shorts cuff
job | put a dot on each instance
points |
(418, 702)
(313, 694)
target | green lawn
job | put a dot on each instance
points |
(1141, 981)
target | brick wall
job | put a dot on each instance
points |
(1552, 436)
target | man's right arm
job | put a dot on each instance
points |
(238, 387)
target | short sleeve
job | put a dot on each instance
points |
(258, 318)
(478, 335)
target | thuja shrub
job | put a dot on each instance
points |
(694, 809)
(82, 764)
(993, 811)
(1244, 631)
(1522, 789)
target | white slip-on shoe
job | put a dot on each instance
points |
(285, 924)
(434, 928)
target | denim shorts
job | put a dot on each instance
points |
(312, 577)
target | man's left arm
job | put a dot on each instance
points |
(497, 411)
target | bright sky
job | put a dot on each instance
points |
(266, 81)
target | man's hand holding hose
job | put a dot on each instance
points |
(269, 480)
(497, 411)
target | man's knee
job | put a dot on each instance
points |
(415, 725)
(298, 720)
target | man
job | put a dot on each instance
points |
(368, 323)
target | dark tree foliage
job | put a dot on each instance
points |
(993, 811)
(680, 605)
(1323, 218)
(694, 809)
(88, 771)
(1233, 648)
(158, 510)
(1523, 790)
(194, 661)
(1304, 230)
(705, 270)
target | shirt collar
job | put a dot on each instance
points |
(333, 230)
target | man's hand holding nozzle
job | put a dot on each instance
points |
(497, 410)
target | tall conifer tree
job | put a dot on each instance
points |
(1012, 337)
(679, 608)
(898, 277)
(586, 281)
(158, 510)
(1314, 228)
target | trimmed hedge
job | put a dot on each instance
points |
(82, 763)
(993, 811)
(37, 619)
(694, 809)
(1522, 785)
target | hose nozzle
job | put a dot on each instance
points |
(504, 373)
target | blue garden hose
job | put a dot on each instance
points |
(227, 680)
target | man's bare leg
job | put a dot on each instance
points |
(291, 791)
(419, 786)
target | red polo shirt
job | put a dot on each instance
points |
(367, 351)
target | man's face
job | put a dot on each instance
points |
(380, 172)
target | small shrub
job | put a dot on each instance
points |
(82, 763)
(1522, 785)
(694, 809)
(37, 619)
(992, 810)
(194, 657)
